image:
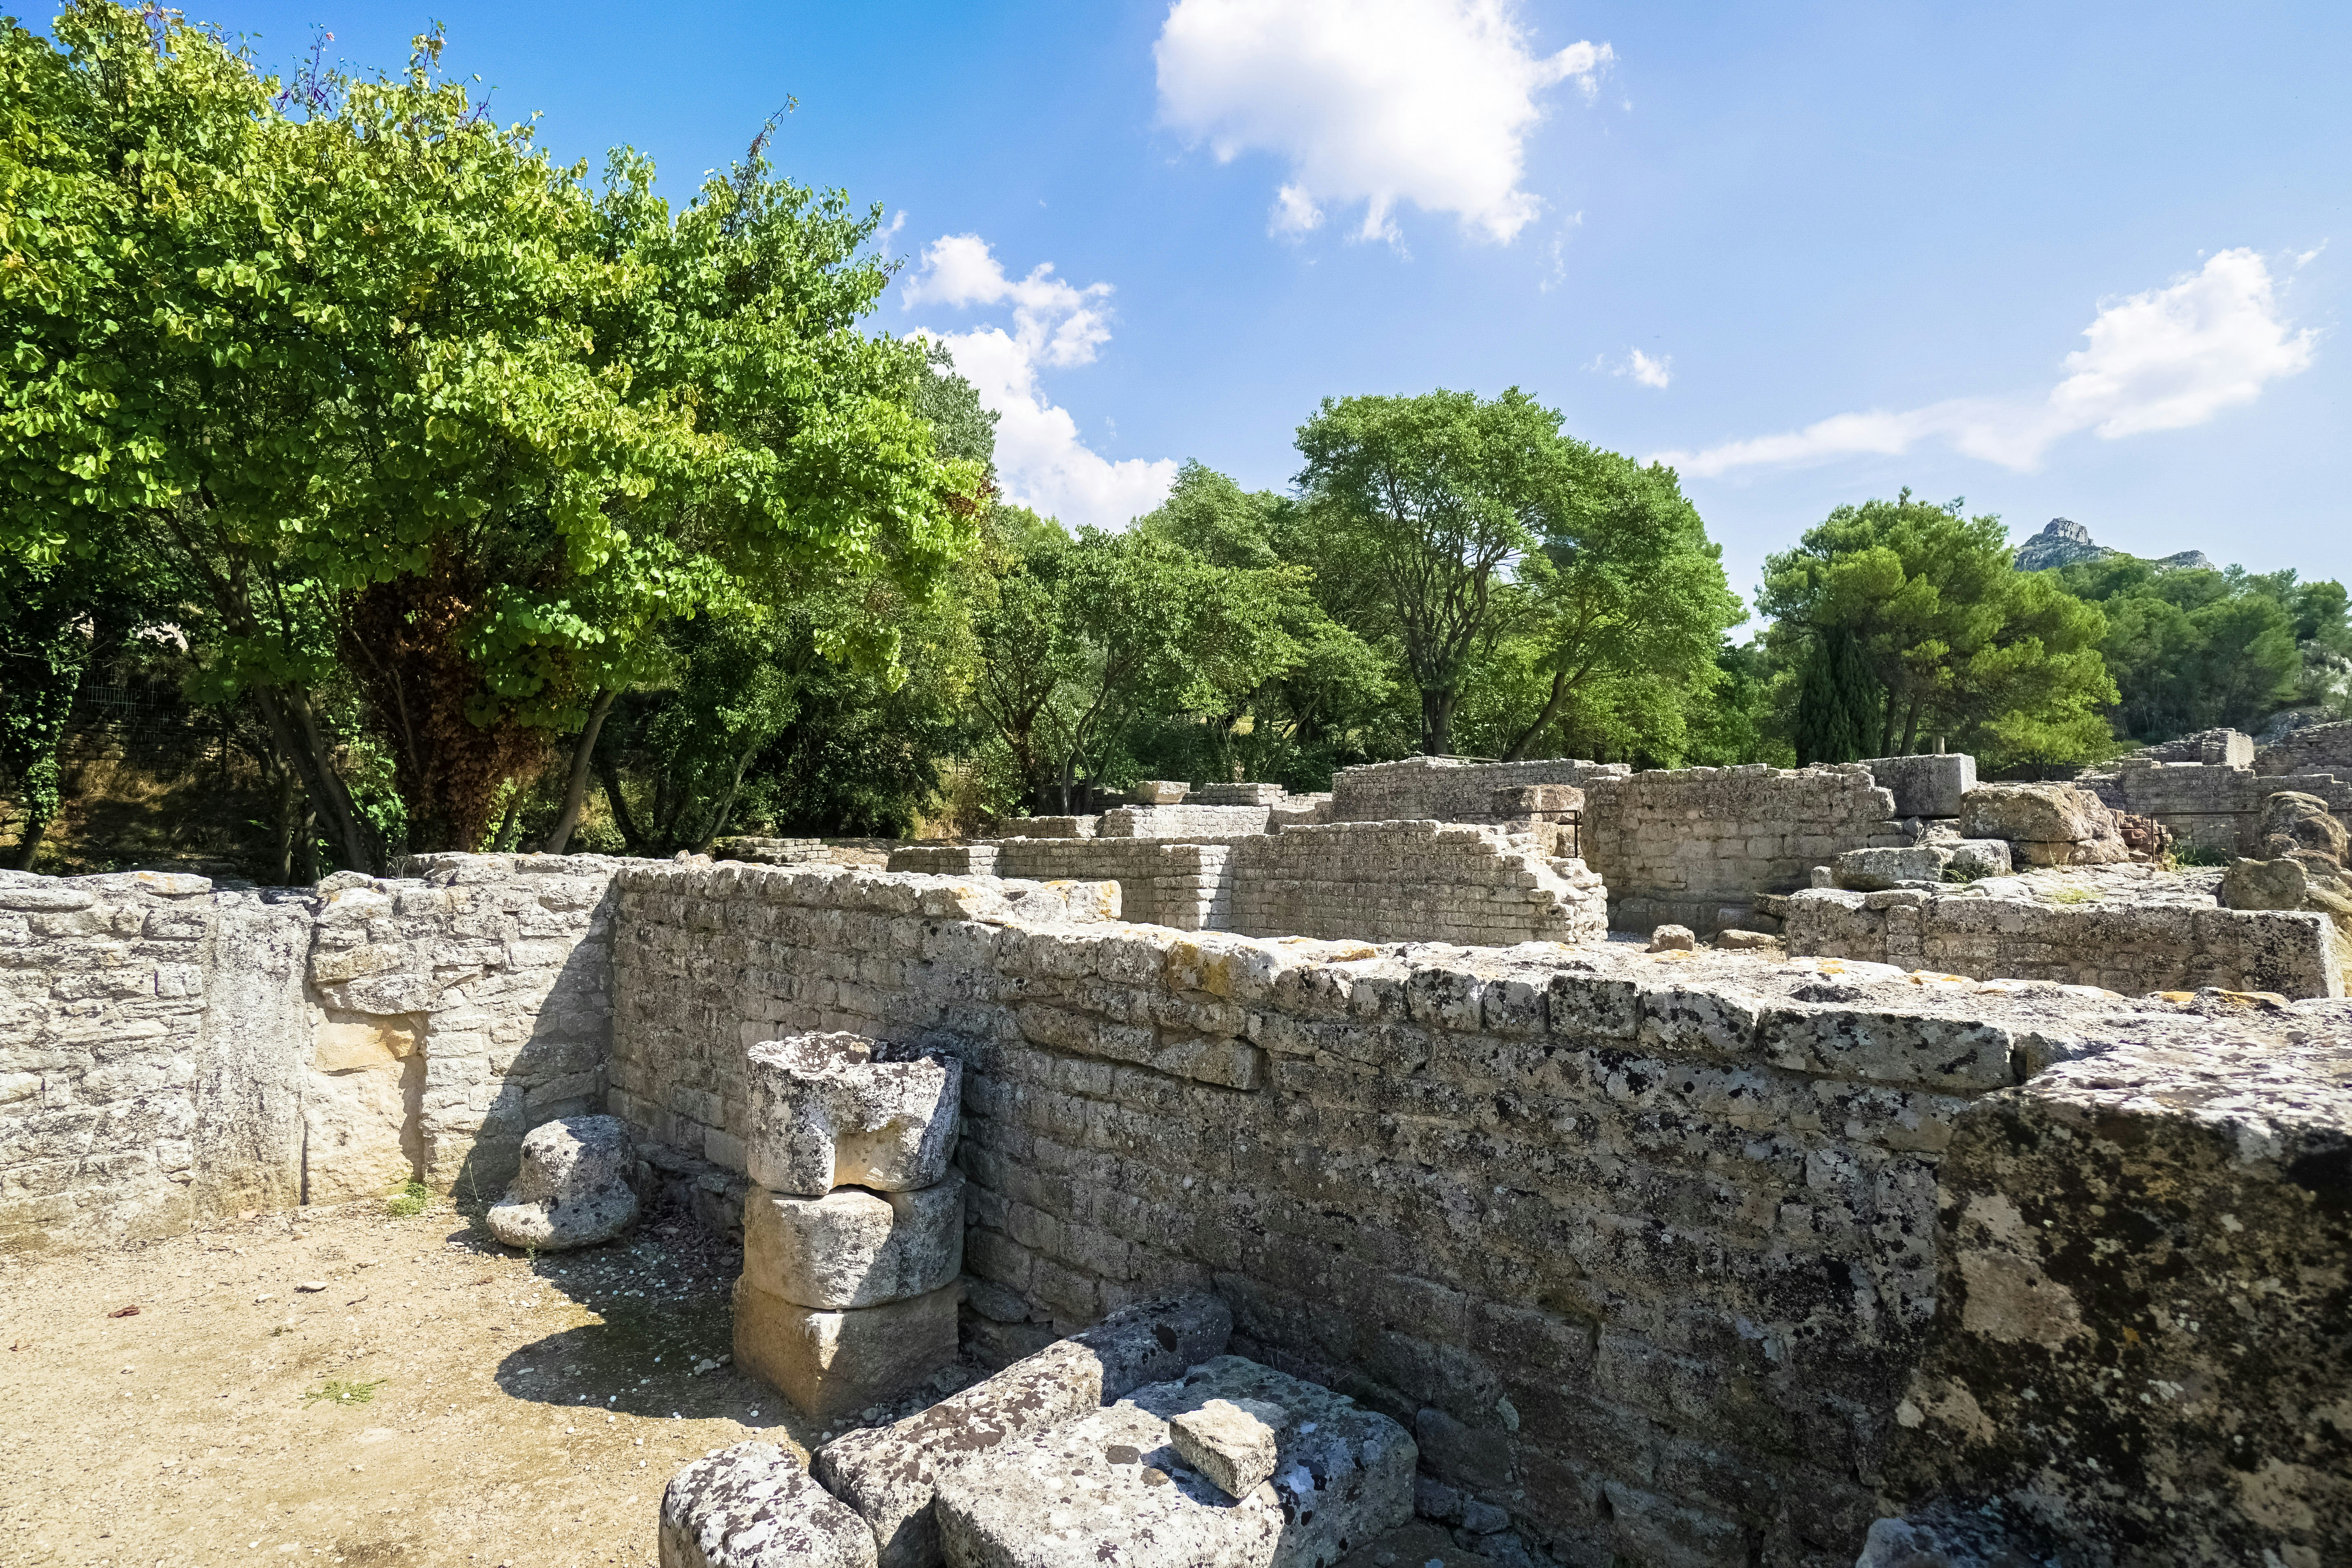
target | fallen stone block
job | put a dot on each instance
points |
(1111, 1486)
(851, 1247)
(752, 1506)
(1160, 791)
(829, 1363)
(1976, 858)
(835, 1110)
(574, 1187)
(1733, 939)
(888, 1474)
(1673, 939)
(1875, 870)
(1231, 1442)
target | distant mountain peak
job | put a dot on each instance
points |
(2062, 541)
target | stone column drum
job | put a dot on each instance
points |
(853, 1234)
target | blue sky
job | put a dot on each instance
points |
(1854, 246)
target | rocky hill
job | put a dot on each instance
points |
(2062, 541)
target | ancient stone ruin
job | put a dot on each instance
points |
(1967, 1180)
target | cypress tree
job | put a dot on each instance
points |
(1837, 703)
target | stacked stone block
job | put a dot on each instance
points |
(1693, 846)
(852, 1231)
(1413, 882)
(1188, 821)
(1447, 789)
(2219, 808)
(2318, 748)
(2212, 748)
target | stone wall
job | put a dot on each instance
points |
(169, 1053)
(2215, 748)
(1693, 845)
(2130, 947)
(1210, 821)
(1366, 881)
(2318, 748)
(2215, 808)
(1412, 882)
(1647, 1251)
(1445, 789)
(152, 1051)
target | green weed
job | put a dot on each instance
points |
(2199, 855)
(342, 1392)
(413, 1199)
(2073, 895)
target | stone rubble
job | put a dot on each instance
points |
(752, 1506)
(573, 1189)
(1231, 1442)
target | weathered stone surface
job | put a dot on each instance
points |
(887, 1473)
(2045, 824)
(1232, 1443)
(853, 1247)
(752, 1506)
(1111, 1487)
(1947, 1539)
(1871, 870)
(1973, 858)
(831, 1362)
(1672, 939)
(1416, 1544)
(574, 1188)
(2264, 885)
(2294, 822)
(1925, 785)
(1733, 939)
(840, 1110)
(1158, 792)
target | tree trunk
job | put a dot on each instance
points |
(499, 840)
(727, 801)
(1437, 723)
(609, 775)
(575, 789)
(290, 822)
(1517, 750)
(35, 825)
(1910, 730)
(294, 727)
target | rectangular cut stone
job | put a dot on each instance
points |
(752, 1506)
(839, 1109)
(830, 1363)
(887, 1473)
(1926, 787)
(1112, 1487)
(853, 1247)
(1231, 1442)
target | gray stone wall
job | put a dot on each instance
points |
(1365, 881)
(2318, 748)
(1693, 845)
(1646, 1251)
(1188, 821)
(1446, 789)
(2217, 748)
(149, 1055)
(2132, 949)
(1412, 882)
(2216, 807)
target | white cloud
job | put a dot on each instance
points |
(2164, 360)
(1649, 371)
(1378, 101)
(1040, 460)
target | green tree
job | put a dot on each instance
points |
(1961, 644)
(1429, 500)
(1625, 586)
(1839, 702)
(384, 387)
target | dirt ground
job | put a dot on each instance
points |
(441, 1399)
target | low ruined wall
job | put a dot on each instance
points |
(2130, 950)
(2217, 807)
(2318, 748)
(1183, 821)
(1443, 789)
(1411, 881)
(169, 1053)
(1693, 845)
(1644, 1250)
(1365, 881)
(152, 1040)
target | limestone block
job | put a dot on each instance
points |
(840, 1110)
(851, 1247)
(573, 1189)
(829, 1363)
(752, 1506)
(888, 1474)
(2264, 885)
(1160, 791)
(1926, 787)
(1113, 1480)
(1672, 939)
(1232, 1443)
(2036, 814)
(2294, 822)
(1973, 858)
(1873, 870)
(363, 1135)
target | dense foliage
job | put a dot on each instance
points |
(458, 500)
